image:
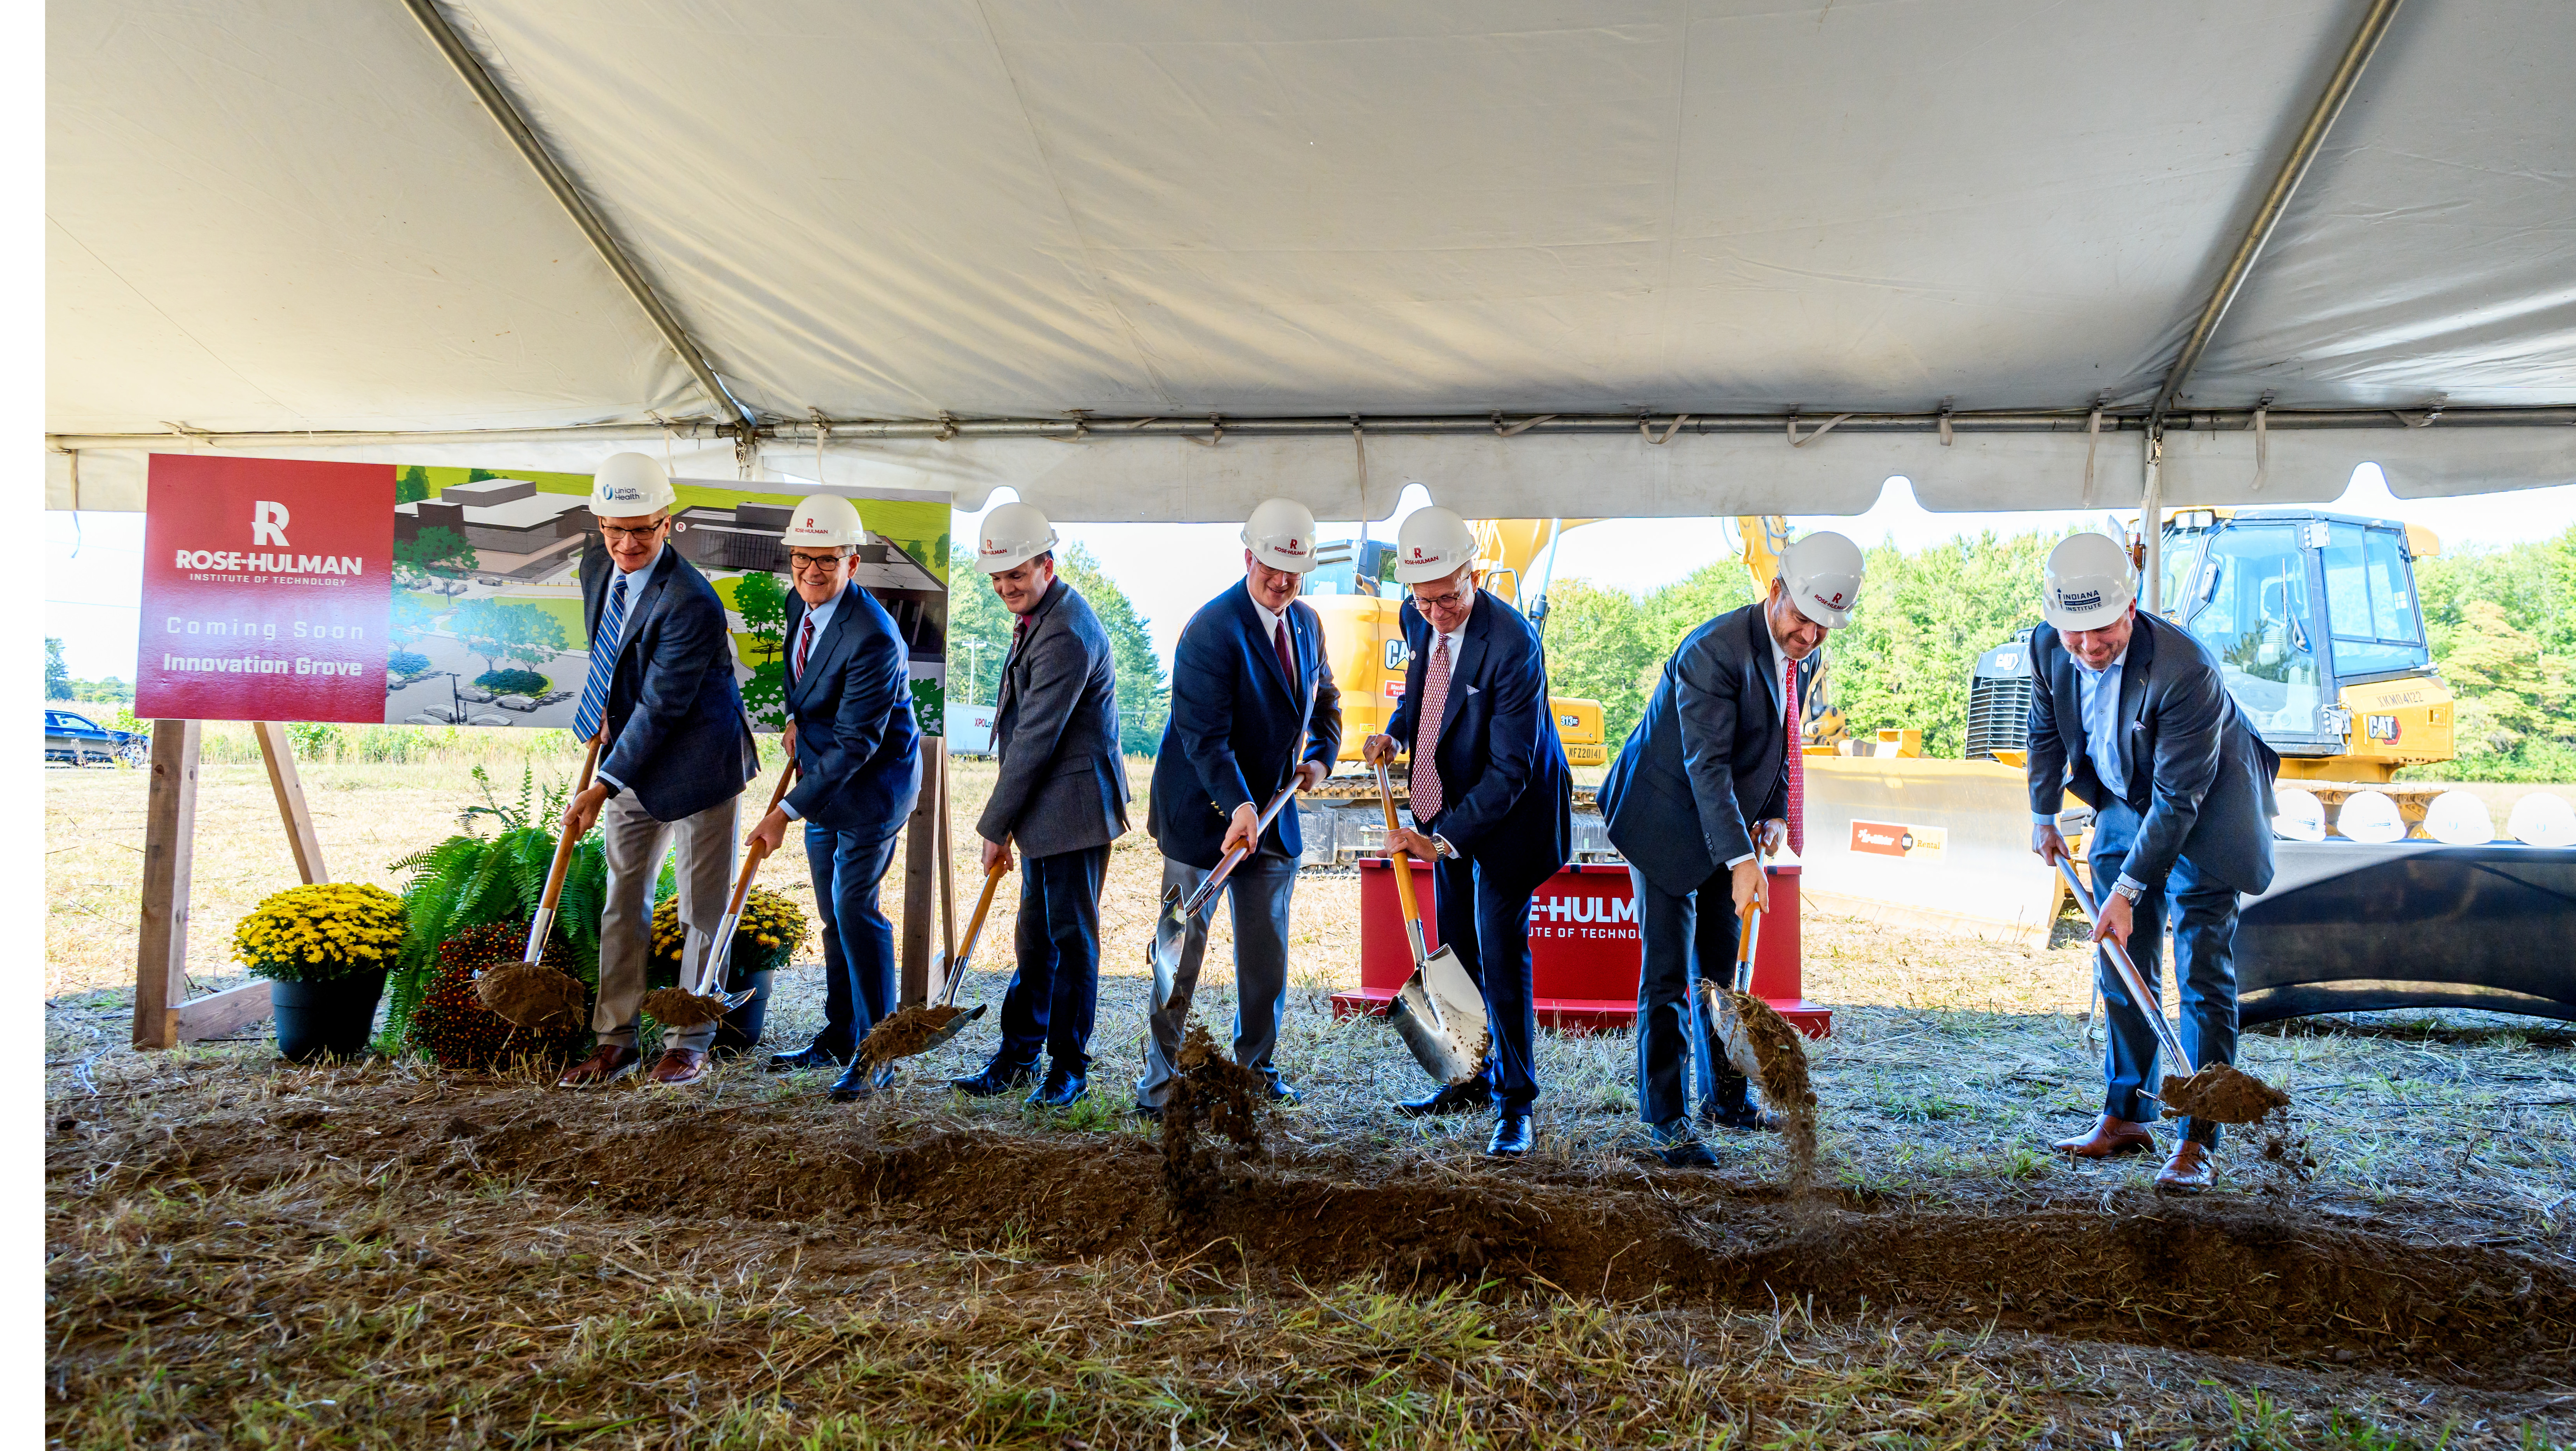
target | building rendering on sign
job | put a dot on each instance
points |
(752, 536)
(508, 516)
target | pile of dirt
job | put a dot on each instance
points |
(677, 1008)
(909, 1031)
(2222, 1093)
(1782, 1054)
(533, 996)
(1214, 1093)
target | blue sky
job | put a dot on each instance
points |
(94, 562)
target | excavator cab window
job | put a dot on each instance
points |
(2251, 608)
(2370, 602)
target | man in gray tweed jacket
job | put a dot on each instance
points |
(1061, 798)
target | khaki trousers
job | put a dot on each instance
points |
(635, 845)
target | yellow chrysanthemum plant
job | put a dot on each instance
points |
(322, 932)
(771, 932)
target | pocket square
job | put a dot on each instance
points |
(1471, 690)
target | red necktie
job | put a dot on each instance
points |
(804, 642)
(1287, 661)
(1796, 766)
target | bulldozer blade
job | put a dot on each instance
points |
(1926, 843)
(1449, 1058)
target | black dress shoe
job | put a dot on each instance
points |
(997, 1078)
(860, 1080)
(1739, 1113)
(1676, 1145)
(1061, 1090)
(1456, 1098)
(1285, 1096)
(1511, 1134)
(817, 1054)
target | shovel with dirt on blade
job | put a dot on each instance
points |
(697, 1001)
(1172, 928)
(1439, 1012)
(910, 1032)
(527, 993)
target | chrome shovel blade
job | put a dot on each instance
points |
(956, 1025)
(1718, 1010)
(1448, 1058)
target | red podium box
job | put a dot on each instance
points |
(1583, 948)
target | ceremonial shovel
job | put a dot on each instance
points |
(1719, 1005)
(690, 1007)
(1439, 1012)
(526, 993)
(955, 971)
(1172, 929)
(2143, 995)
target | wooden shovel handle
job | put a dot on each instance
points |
(1402, 862)
(565, 840)
(974, 928)
(759, 850)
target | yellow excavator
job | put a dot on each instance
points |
(1353, 587)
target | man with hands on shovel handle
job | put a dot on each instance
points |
(1060, 795)
(2130, 714)
(1712, 777)
(1491, 796)
(679, 750)
(1254, 711)
(857, 751)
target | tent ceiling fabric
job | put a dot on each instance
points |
(274, 216)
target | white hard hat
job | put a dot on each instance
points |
(628, 485)
(1432, 543)
(2088, 583)
(1821, 574)
(2459, 818)
(2302, 816)
(2543, 818)
(2370, 816)
(825, 521)
(1281, 534)
(1011, 536)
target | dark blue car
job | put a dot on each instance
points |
(80, 740)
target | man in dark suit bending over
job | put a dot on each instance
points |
(1491, 797)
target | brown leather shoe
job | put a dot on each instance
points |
(2110, 1136)
(677, 1066)
(2187, 1172)
(606, 1064)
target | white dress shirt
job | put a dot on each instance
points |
(636, 580)
(820, 617)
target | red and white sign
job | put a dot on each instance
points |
(267, 584)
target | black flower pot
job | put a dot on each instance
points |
(739, 1033)
(336, 1017)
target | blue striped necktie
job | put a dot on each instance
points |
(603, 662)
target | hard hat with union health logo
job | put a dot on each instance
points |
(629, 485)
(825, 521)
(2087, 584)
(1432, 543)
(1281, 534)
(1011, 536)
(1821, 575)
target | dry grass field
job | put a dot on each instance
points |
(242, 1252)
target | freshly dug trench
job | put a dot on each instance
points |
(676, 1008)
(2221, 1093)
(1782, 1054)
(530, 995)
(907, 1032)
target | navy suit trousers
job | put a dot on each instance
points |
(2202, 915)
(1488, 928)
(1684, 938)
(858, 940)
(1056, 988)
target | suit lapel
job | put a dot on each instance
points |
(1471, 654)
(1759, 646)
(2134, 674)
(1011, 665)
(640, 607)
(834, 640)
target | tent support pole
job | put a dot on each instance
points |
(2151, 531)
(2321, 119)
(558, 181)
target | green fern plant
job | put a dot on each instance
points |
(471, 880)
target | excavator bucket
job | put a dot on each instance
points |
(1926, 843)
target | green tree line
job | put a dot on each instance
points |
(979, 639)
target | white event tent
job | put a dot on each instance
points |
(1156, 259)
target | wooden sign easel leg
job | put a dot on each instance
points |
(169, 838)
(925, 845)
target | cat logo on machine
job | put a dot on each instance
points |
(1569, 722)
(1896, 839)
(2381, 728)
(1398, 654)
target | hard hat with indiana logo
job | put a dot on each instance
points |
(1432, 543)
(2088, 583)
(1821, 575)
(1011, 536)
(1281, 534)
(825, 521)
(628, 485)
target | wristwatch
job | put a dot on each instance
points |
(1441, 845)
(2131, 891)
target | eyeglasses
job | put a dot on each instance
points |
(618, 535)
(1449, 601)
(822, 564)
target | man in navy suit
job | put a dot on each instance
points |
(661, 685)
(1254, 709)
(858, 770)
(2130, 714)
(1716, 752)
(1491, 797)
